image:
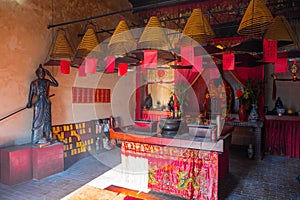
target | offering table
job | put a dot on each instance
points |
(184, 165)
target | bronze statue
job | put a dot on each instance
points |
(39, 88)
(148, 102)
(171, 104)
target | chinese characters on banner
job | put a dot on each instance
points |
(90, 95)
(228, 61)
(270, 50)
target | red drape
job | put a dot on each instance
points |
(242, 74)
(185, 76)
(183, 80)
(283, 137)
(138, 108)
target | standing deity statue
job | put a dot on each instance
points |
(39, 88)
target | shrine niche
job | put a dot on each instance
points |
(160, 84)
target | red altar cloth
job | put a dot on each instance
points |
(154, 115)
(189, 173)
(283, 137)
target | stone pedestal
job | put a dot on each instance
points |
(47, 160)
(16, 165)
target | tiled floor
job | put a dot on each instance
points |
(274, 177)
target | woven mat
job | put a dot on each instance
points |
(93, 193)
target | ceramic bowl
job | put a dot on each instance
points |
(280, 110)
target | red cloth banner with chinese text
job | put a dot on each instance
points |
(189, 173)
(64, 66)
(83, 95)
(90, 95)
(102, 96)
(281, 65)
(150, 58)
(228, 61)
(198, 61)
(122, 69)
(110, 64)
(270, 50)
(81, 71)
(90, 65)
(187, 55)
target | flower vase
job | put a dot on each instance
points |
(242, 112)
(253, 113)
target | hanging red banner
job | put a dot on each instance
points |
(110, 64)
(270, 50)
(122, 69)
(65, 66)
(228, 61)
(281, 65)
(187, 55)
(81, 70)
(150, 58)
(198, 60)
(90, 65)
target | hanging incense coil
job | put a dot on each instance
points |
(198, 28)
(122, 40)
(256, 19)
(281, 30)
(88, 43)
(61, 48)
(153, 36)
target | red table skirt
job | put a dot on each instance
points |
(189, 173)
(283, 137)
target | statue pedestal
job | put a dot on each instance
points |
(26, 162)
(16, 164)
(47, 160)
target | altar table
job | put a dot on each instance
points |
(181, 166)
(257, 129)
